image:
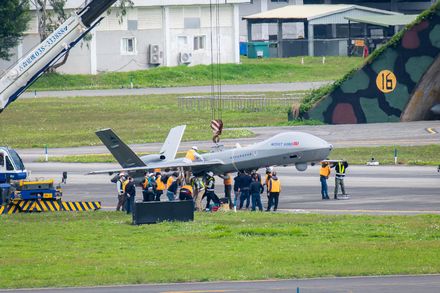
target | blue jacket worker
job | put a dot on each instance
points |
(149, 188)
(130, 191)
(172, 190)
(237, 186)
(245, 184)
(256, 188)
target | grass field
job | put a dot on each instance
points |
(250, 71)
(410, 155)
(60, 122)
(102, 248)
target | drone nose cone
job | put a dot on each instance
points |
(325, 145)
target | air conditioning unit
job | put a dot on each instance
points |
(185, 57)
(155, 54)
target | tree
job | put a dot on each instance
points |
(13, 22)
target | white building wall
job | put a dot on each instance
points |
(178, 32)
(104, 53)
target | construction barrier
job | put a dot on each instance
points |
(159, 211)
(80, 205)
(29, 206)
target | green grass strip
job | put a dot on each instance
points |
(251, 71)
(409, 155)
(102, 248)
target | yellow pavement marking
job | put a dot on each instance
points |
(431, 130)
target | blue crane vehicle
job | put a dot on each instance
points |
(19, 194)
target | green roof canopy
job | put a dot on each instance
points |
(384, 20)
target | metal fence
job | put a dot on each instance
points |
(255, 103)
(304, 47)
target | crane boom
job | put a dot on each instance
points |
(30, 67)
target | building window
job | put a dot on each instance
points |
(191, 22)
(199, 42)
(182, 41)
(128, 46)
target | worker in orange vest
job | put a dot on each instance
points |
(324, 173)
(274, 192)
(186, 192)
(160, 187)
(227, 181)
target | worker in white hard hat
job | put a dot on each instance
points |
(121, 192)
(210, 190)
(192, 155)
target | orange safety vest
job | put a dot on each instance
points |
(160, 184)
(325, 171)
(145, 183)
(190, 155)
(228, 180)
(275, 185)
(157, 170)
(170, 181)
(189, 187)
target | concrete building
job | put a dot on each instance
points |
(151, 34)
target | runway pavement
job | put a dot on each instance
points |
(401, 284)
(237, 88)
(381, 189)
(373, 189)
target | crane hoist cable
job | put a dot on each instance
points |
(219, 68)
(216, 91)
(213, 108)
